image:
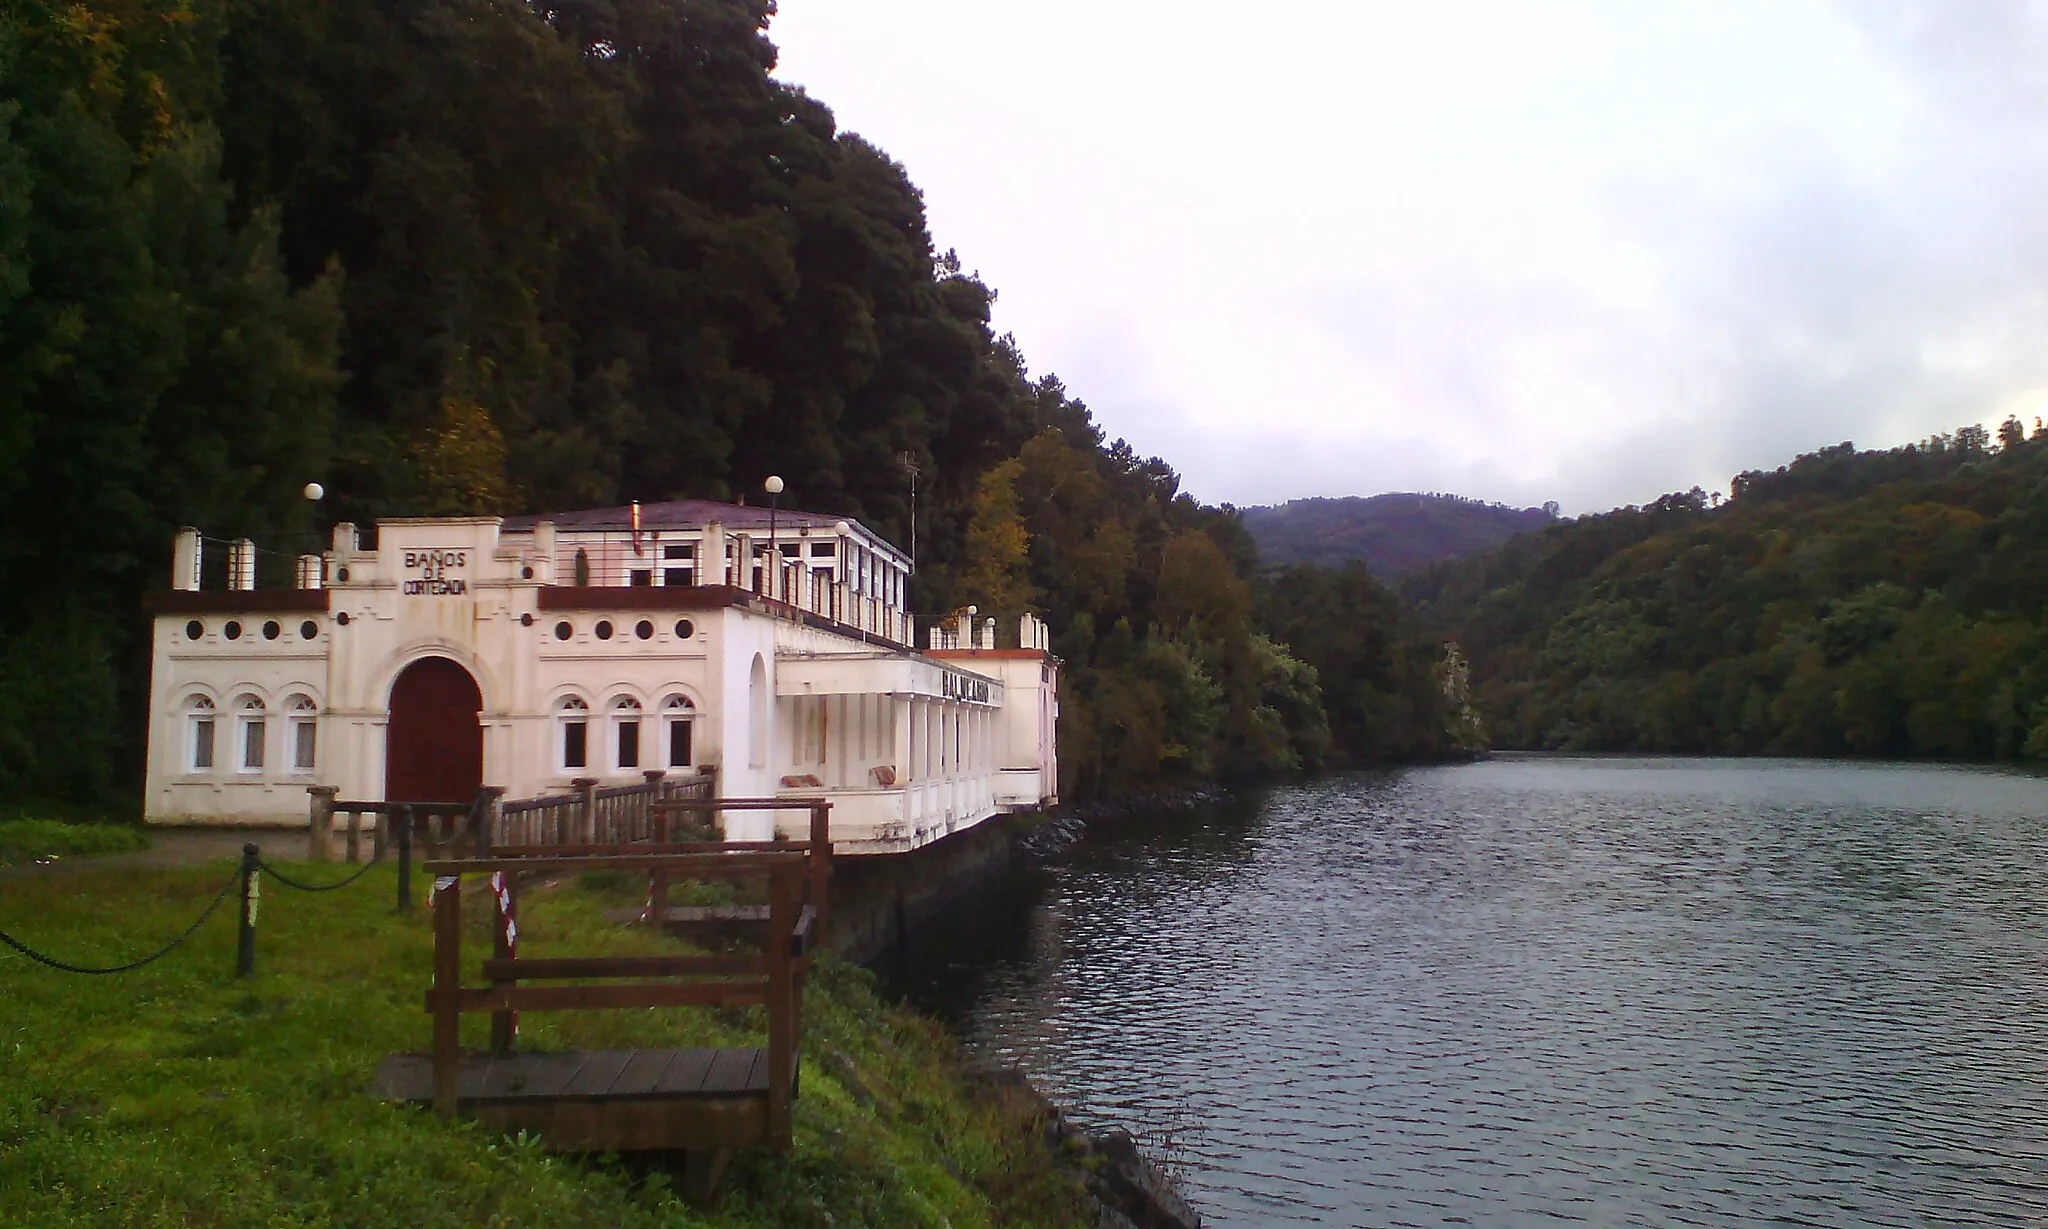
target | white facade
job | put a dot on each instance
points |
(673, 654)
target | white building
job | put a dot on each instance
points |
(532, 652)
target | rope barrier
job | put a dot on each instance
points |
(289, 882)
(159, 954)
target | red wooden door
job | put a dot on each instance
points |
(433, 744)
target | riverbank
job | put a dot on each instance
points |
(176, 1094)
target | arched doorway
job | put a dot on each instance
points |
(433, 744)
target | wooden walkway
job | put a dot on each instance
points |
(605, 1100)
(703, 1103)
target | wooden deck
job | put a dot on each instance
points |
(604, 1100)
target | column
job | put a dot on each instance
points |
(898, 732)
(914, 740)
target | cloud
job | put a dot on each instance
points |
(1589, 252)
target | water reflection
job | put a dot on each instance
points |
(1642, 991)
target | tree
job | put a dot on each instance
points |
(998, 548)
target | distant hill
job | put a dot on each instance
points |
(1883, 603)
(1392, 534)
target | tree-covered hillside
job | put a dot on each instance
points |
(1871, 603)
(1390, 534)
(470, 256)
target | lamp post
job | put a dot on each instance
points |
(774, 488)
(311, 571)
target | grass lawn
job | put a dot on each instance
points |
(177, 1095)
(25, 838)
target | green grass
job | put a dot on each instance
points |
(177, 1095)
(25, 839)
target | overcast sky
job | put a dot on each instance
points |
(1576, 251)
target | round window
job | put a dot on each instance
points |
(643, 629)
(271, 630)
(563, 631)
(232, 631)
(603, 629)
(308, 630)
(685, 629)
(342, 618)
(194, 630)
(341, 574)
(526, 620)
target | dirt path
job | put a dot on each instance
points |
(180, 847)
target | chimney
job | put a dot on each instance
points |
(242, 564)
(544, 552)
(185, 559)
(309, 571)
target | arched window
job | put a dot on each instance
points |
(757, 715)
(626, 732)
(572, 715)
(677, 713)
(199, 734)
(303, 717)
(251, 732)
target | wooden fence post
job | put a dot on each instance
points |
(657, 883)
(654, 776)
(485, 816)
(781, 1004)
(447, 984)
(586, 823)
(821, 864)
(320, 832)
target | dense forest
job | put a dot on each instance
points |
(1869, 603)
(476, 256)
(1391, 534)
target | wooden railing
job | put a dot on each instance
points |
(592, 815)
(597, 815)
(772, 978)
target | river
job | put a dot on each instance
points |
(1635, 991)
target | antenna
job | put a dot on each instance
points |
(908, 460)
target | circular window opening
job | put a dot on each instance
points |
(341, 574)
(308, 630)
(526, 620)
(232, 631)
(563, 631)
(526, 573)
(194, 630)
(603, 629)
(685, 629)
(644, 630)
(271, 630)
(342, 618)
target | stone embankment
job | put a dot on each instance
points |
(1134, 1192)
(1130, 1191)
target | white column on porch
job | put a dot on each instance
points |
(913, 720)
(898, 734)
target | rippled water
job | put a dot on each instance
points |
(1615, 991)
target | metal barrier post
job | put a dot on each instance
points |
(404, 824)
(245, 940)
